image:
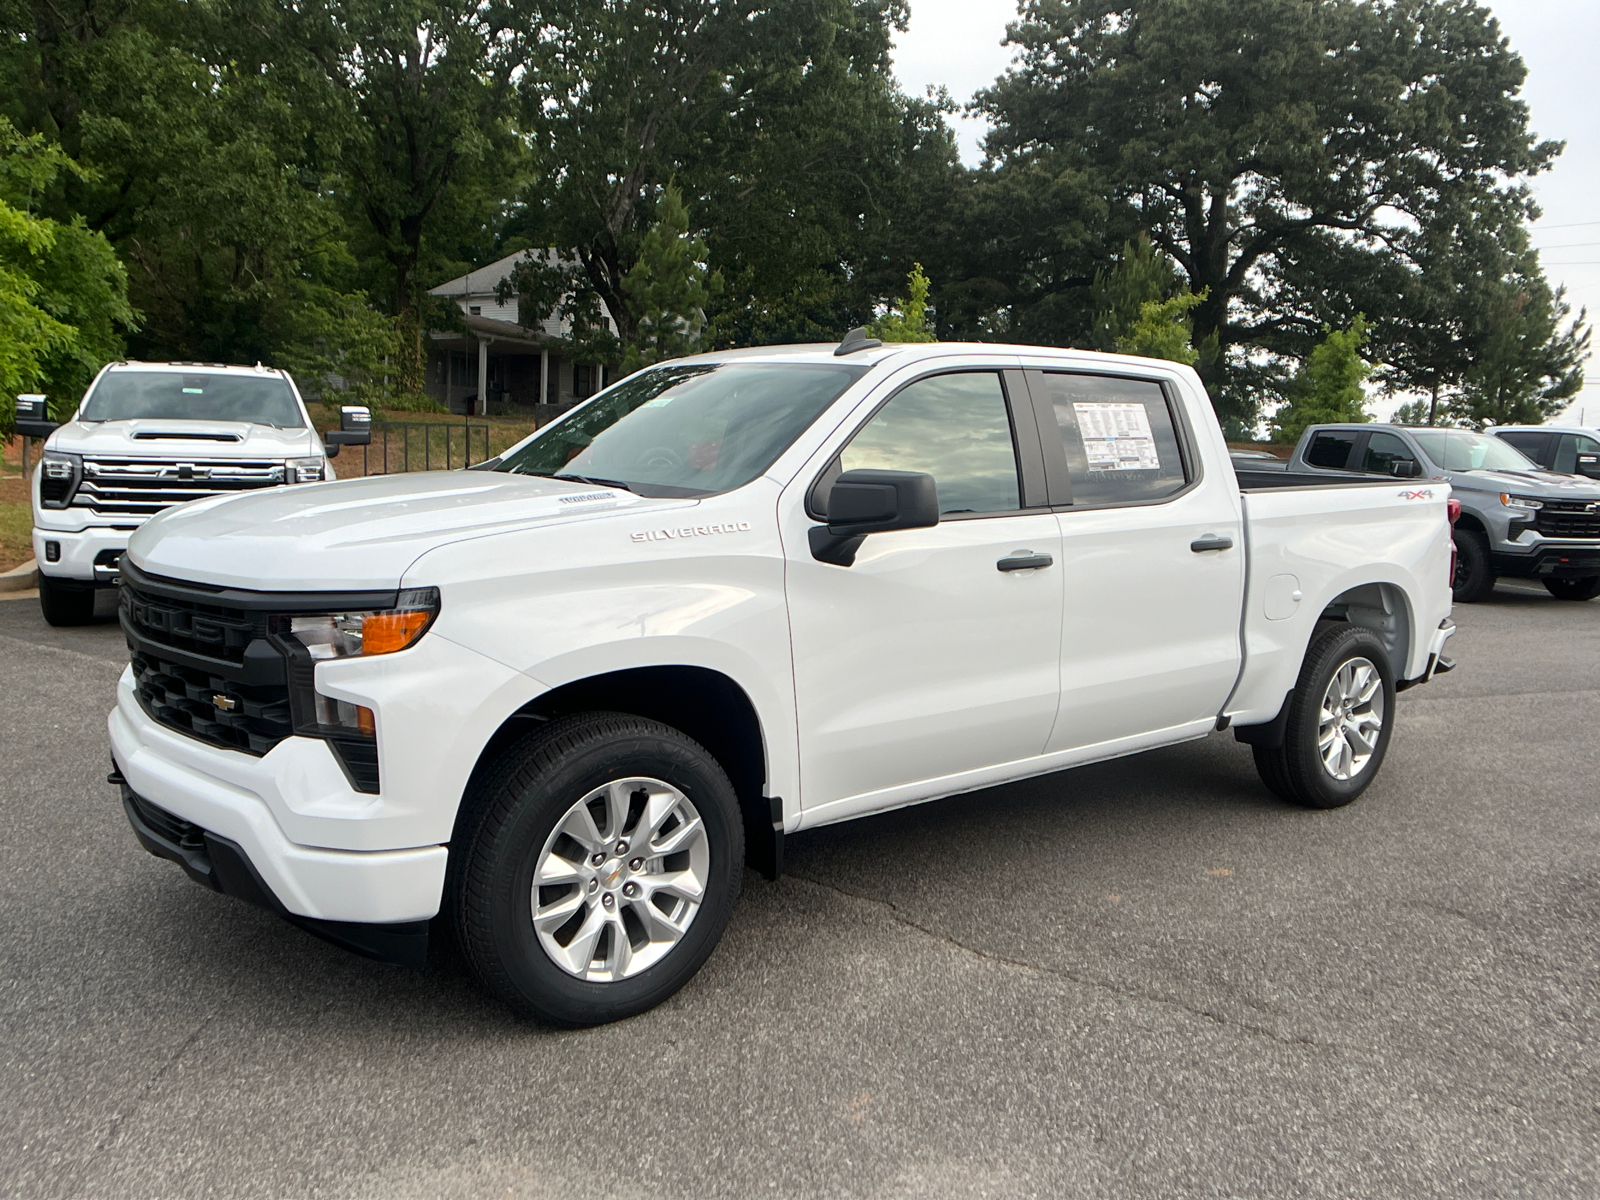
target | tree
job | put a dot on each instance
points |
(1244, 135)
(1327, 389)
(63, 294)
(426, 90)
(668, 287)
(908, 320)
(1163, 330)
(1526, 367)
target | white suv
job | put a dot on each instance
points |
(151, 435)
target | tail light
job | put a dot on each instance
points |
(1452, 510)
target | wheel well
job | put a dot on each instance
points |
(1382, 608)
(703, 704)
(1467, 521)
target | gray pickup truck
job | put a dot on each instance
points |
(1517, 519)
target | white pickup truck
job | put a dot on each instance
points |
(559, 703)
(148, 436)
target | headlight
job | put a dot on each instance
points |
(1525, 503)
(306, 470)
(58, 479)
(381, 631)
(360, 634)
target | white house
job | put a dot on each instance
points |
(499, 364)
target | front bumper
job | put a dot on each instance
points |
(221, 864)
(1548, 560)
(86, 555)
(238, 797)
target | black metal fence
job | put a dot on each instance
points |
(399, 446)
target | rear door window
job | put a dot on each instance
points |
(1331, 450)
(1385, 451)
(1535, 445)
(1120, 437)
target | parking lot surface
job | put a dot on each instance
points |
(1143, 978)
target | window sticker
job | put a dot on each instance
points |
(1117, 437)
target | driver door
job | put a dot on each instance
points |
(931, 657)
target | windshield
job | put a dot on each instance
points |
(1462, 450)
(174, 396)
(686, 430)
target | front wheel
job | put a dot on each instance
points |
(1474, 578)
(1341, 714)
(63, 602)
(1574, 589)
(596, 869)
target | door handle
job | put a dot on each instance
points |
(1211, 542)
(1024, 560)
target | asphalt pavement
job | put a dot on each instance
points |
(1143, 978)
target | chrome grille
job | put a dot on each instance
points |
(142, 487)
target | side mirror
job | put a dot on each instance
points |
(1589, 465)
(33, 416)
(355, 429)
(1405, 468)
(863, 502)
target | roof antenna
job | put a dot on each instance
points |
(856, 339)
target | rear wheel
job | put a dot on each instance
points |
(597, 869)
(1474, 575)
(64, 602)
(1341, 714)
(1574, 589)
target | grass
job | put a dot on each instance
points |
(16, 533)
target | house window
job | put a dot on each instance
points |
(475, 310)
(582, 381)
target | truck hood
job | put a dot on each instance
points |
(190, 439)
(1527, 483)
(359, 533)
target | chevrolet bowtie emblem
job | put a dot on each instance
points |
(225, 703)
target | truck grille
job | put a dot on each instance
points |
(219, 672)
(141, 487)
(1568, 519)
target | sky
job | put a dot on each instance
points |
(956, 44)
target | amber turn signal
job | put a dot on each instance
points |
(386, 632)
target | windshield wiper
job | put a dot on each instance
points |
(594, 479)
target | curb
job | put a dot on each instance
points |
(20, 579)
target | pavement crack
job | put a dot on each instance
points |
(1126, 993)
(150, 1084)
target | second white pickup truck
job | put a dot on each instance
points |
(558, 704)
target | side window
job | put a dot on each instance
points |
(1588, 457)
(1384, 451)
(955, 428)
(1119, 436)
(1331, 450)
(1534, 445)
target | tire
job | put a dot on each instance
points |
(1474, 575)
(1574, 589)
(65, 603)
(1296, 771)
(523, 815)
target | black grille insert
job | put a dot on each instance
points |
(213, 708)
(1568, 519)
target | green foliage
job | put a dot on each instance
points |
(344, 351)
(907, 320)
(1327, 389)
(1276, 149)
(63, 293)
(1163, 330)
(1527, 368)
(1141, 276)
(668, 287)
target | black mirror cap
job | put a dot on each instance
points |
(1405, 468)
(869, 501)
(33, 416)
(355, 418)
